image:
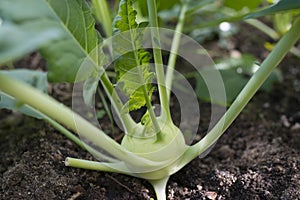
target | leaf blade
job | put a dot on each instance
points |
(132, 67)
(80, 40)
(283, 5)
(72, 18)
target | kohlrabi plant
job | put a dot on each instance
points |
(64, 33)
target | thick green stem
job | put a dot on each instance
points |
(174, 49)
(160, 187)
(274, 58)
(161, 81)
(62, 114)
(92, 165)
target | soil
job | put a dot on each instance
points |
(257, 158)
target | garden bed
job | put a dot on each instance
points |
(257, 158)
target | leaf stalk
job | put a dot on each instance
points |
(174, 49)
(160, 74)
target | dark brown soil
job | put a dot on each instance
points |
(257, 158)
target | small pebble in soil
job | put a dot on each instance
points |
(295, 127)
(284, 120)
(211, 195)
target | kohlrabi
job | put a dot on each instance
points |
(63, 31)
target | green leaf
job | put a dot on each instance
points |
(132, 66)
(235, 73)
(34, 78)
(238, 5)
(17, 40)
(283, 5)
(125, 20)
(81, 38)
(284, 20)
(233, 85)
(166, 4)
(161, 5)
(72, 18)
(100, 114)
(170, 14)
